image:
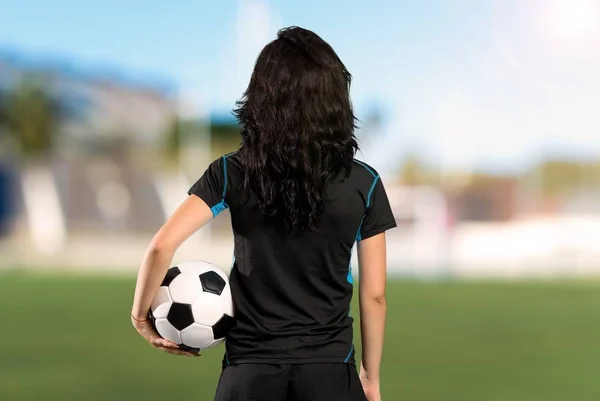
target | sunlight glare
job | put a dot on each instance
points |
(574, 19)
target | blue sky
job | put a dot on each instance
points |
(489, 83)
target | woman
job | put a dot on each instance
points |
(299, 202)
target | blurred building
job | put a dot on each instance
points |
(492, 200)
(111, 127)
(97, 103)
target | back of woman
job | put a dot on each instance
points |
(299, 202)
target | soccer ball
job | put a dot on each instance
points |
(193, 306)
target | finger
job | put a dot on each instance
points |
(178, 352)
(161, 342)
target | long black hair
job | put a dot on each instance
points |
(297, 127)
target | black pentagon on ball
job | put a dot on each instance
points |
(189, 349)
(212, 282)
(171, 274)
(152, 319)
(180, 315)
(222, 327)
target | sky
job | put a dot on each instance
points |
(490, 84)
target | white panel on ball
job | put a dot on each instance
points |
(185, 288)
(207, 309)
(227, 301)
(197, 336)
(167, 331)
(215, 343)
(196, 267)
(161, 303)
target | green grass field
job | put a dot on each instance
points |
(69, 338)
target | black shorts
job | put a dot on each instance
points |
(287, 382)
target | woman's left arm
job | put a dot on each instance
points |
(192, 215)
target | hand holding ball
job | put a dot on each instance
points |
(193, 306)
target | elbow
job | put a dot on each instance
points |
(160, 247)
(380, 300)
(376, 299)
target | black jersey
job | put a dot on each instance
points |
(292, 295)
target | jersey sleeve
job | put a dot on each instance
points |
(378, 216)
(212, 186)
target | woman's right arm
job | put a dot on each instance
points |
(372, 283)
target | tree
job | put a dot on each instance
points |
(564, 177)
(32, 116)
(172, 140)
(2, 108)
(179, 134)
(3, 113)
(412, 171)
(219, 137)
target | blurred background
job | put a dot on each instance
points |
(480, 115)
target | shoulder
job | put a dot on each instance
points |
(231, 164)
(364, 171)
(224, 162)
(231, 158)
(228, 166)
